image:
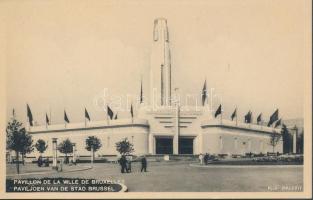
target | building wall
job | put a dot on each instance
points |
(138, 135)
(219, 140)
(210, 135)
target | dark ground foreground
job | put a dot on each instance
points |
(183, 177)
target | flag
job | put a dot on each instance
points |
(29, 115)
(87, 115)
(115, 116)
(277, 123)
(13, 113)
(273, 118)
(110, 112)
(66, 118)
(47, 120)
(204, 93)
(259, 119)
(131, 110)
(234, 114)
(141, 93)
(218, 111)
(248, 117)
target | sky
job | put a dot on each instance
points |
(63, 54)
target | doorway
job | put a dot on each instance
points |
(164, 145)
(185, 146)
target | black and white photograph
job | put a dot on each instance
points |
(156, 99)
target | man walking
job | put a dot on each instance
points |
(144, 164)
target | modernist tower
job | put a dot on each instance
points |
(160, 66)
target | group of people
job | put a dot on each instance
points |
(125, 163)
(42, 162)
(206, 158)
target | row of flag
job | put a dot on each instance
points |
(110, 114)
(248, 117)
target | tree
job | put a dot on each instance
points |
(124, 147)
(18, 140)
(274, 139)
(300, 143)
(66, 147)
(41, 146)
(93, 144)
(287, 142)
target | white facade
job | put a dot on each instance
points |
(208, 135)
(162, 127)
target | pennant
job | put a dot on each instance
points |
(273, 118)
(204, 93)
(131, 110)
(248, 117)
(234, 114)
(278, 123)
(218, 111)
(87, 115)
(259, 119)
(141, 93)
(110, 112)
(29, 116)
(66, 118)
(47, 119)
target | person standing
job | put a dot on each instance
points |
(201, 158)
(120, 161)
(206, 157)
(128, 165)
(144, 164)
(39, 161)
(123, 164)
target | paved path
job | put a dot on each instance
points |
(34, 170)
(180, 176)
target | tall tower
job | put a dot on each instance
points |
(160, 66)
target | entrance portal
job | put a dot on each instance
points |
(185, 146)
(164, 145)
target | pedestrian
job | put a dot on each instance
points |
(201, 158)
(143, 164)
(123, 164)
(128, 164)
(39, 161)
(206, 157)
(47, 162)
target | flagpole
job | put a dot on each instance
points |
(85, 122)
(133, 113)
(64, 119)
(28, 123)
(221, 116)
(46, 122)
(13, 112)
(28, 120)
(236, 116)
(50, 120)
(107, 115)
(250, 119)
